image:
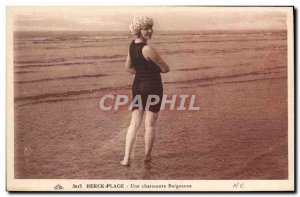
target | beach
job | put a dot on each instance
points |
(239, 79)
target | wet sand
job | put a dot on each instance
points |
(240, 131)
(217, 142)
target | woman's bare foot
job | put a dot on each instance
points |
(125, 162)
(148, 158)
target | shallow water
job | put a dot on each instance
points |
(239, 78)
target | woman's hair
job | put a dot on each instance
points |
(138, 23)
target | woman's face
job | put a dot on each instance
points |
(146, 33)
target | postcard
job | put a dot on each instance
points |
(150, 99)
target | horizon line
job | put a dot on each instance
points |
(262, 29)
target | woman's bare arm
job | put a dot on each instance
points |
(151, 54)
(129, 66)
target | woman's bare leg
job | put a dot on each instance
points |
(150, 121)
(136, 119)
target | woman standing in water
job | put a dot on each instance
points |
(144, 62)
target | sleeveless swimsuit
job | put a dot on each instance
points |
(147, 79)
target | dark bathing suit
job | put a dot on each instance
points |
(147, 79)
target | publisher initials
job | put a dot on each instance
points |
(238, 185)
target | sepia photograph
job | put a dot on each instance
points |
(179, 99)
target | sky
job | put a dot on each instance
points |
(165, 18)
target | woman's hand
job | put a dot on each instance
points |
(151, 54)
(129, 66)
